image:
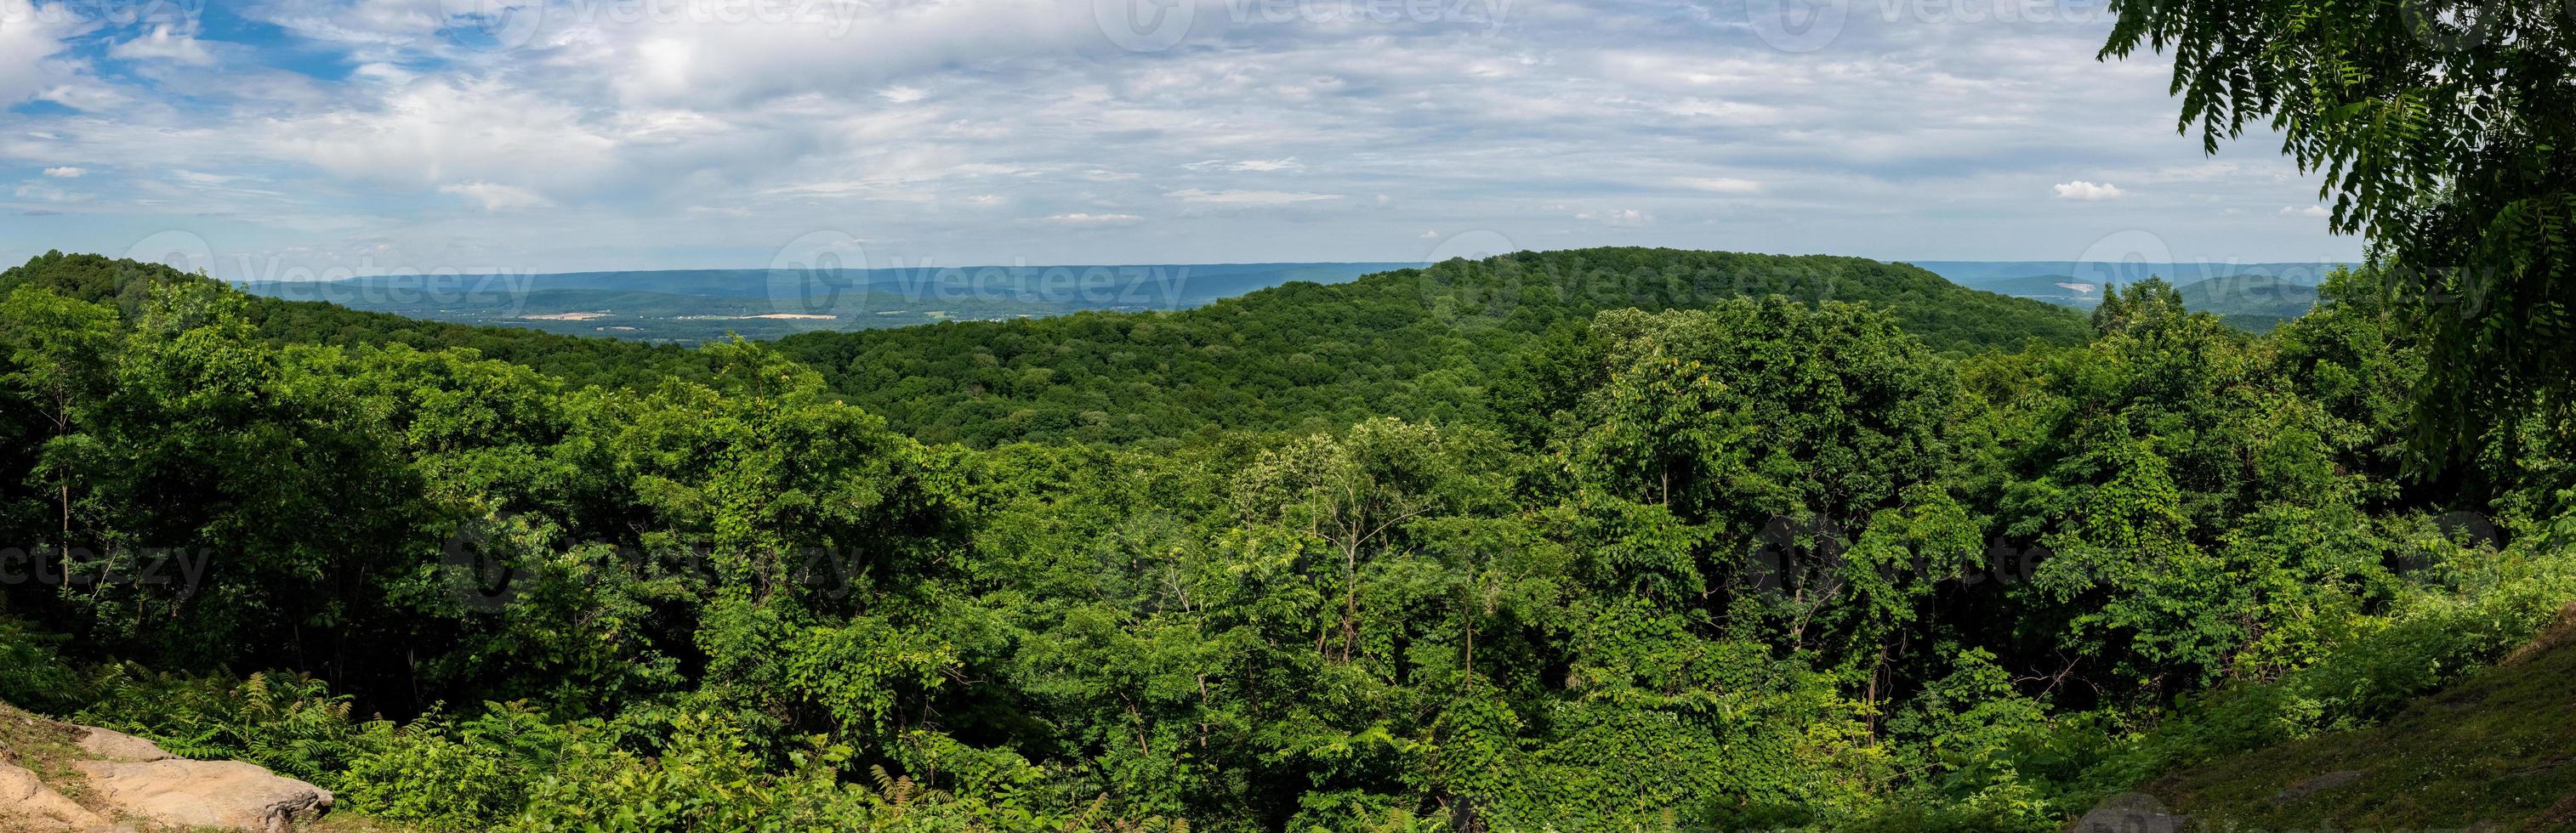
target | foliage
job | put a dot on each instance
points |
(1419, 344)
(2445, 131)
(1546, 561)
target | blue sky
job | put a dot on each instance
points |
(286, 139)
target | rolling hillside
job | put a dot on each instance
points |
(2252, 302)
(1417, 343)
(2492, 753)
(1301, 355)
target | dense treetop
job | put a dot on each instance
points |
(1414, 343)
(2444, 131)
(126, 284)
(1689, 539)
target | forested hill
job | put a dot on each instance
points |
(1414, 343)
(1750, 566)
(582, 362)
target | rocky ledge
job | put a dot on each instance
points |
(62, 777)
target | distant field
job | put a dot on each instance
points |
(689, 306)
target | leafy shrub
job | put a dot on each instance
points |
(291, 724)
(32, 672)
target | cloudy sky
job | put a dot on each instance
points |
(300, 138)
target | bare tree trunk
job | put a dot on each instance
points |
(1350, 602)
(63, 493)
(63, 545)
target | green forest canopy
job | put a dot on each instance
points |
(1413, 343)
(1606, 539)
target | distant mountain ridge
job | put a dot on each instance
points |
(2251, 302)
(692, 305)
(2257, 297)
(1982, 274)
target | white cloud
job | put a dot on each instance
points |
(2082, 191)
(163, 45)
(1289, 164)
(2310, 211)
(66, 172)
(920, 121)
(201, 178)
(1721, 185)
(1082, 219)
(474, 130)
(85, 95)
(497, 197)
(30, 36)
(1242, 197)
(48, 193)
(1618, 217)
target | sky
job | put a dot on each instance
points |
(298, 139)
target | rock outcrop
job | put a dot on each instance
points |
(128, 779)
(26, 802)
(226, 794)
(2131, 813)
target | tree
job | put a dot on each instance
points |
(60, 353)
(2446, 131)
